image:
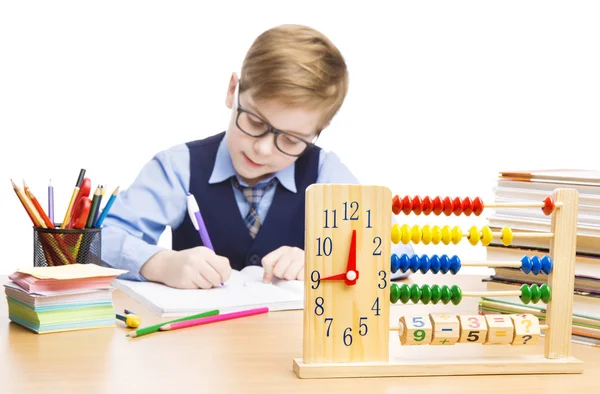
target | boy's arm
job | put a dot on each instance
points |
(139, 215)
(332, 170)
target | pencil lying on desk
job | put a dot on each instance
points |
(213, 319)
(154, 328)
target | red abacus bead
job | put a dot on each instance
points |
(467, 206)
(457, 206)
(548, 206)
(477, 206)
(406, 205)
(396, 205)
(448, 206)
(417, 205)
(427, 205)
(438, 205)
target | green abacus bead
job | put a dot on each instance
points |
(525, 294)
(415, 293)
(546, 293)
(456, 295)
(425, 294)
(446, 294)
(536, 294)
(394, 293)
(404, 294)
(436, 294)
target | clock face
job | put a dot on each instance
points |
(347, 273)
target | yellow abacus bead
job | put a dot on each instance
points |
(506, 236)
(473, 235)
(446, 235)
(405, 234)
(456, 235)
(426, 235)
(395, 233)
(487, 236)
(437, 235)
(416, 234)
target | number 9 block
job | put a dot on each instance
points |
(417, 330)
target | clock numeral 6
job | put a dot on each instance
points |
(315, 278)
(319, 309)
(348, 336)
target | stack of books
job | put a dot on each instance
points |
(61, 298)
(534, 186)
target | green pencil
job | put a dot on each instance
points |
(154, 328)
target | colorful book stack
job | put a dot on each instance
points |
(62, 298)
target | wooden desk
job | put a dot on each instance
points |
(249, 355)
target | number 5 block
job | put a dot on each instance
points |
(473, 329)
(417, 330)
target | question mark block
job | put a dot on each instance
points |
(473, 329)
(446, 329)
(501, 330)
(417, 330)
(527, 329)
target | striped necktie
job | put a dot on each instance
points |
(253, 195)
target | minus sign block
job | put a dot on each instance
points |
(445, 329)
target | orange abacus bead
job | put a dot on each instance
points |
(477, 206)
(457, 203)
(548, 206)
(467, 206)
(406, 205)
(396, 205)
(417, 207)
(427, 205)
(448, 206)
(438, 206)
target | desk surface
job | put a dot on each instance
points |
(252, 354)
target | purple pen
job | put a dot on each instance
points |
(196, 217)
(51, 201)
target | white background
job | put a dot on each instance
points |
(443, 94)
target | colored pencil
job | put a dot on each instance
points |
(155, 328)
(95, 202)
(213, 319)
(73, 198)
(109, 204)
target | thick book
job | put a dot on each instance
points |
(244, 290)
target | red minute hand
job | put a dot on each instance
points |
(351, 272)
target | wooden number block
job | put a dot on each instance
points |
(500, 330)
(527, 329)
(473, 329)
(446, 329)
(417, 330)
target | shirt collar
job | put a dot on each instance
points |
(223, 170)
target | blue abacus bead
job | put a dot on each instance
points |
(435, 264)
(526, 265)
(455, 265)
(546, 265)
(445, 263)
(425, 264)
(404, 263)
(536, 265)
(414, 263)
(395, 263)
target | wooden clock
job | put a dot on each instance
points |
(347, 273)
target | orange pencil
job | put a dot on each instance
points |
(47, 223)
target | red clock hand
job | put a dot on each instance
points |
(335, 277)
(351, 272)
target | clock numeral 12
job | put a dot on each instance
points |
(354, 215)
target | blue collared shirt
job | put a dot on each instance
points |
(157, 198)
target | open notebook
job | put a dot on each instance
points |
(244, 289)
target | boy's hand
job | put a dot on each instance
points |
(195, 268)
(287, 262)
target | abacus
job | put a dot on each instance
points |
(324, 356)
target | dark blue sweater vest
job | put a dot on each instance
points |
(283, 226)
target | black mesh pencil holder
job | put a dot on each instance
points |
(55, 247)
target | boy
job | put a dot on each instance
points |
(249, 181)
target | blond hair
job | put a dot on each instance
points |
(296, 65)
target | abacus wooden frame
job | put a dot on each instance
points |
(557, 357)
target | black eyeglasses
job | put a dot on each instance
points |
(254, 126)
